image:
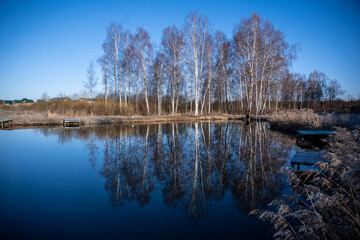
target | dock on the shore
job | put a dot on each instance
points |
(305, 158)
(303, 136)
(320, 133)
(4, 122)
(71, 122)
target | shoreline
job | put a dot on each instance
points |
(31, 120)
(284, 121)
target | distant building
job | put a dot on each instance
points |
(23, 101)
(6, 102)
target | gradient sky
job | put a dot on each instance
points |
(48, 45)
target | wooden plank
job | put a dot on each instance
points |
(306, 158)
(313, 132)
(306, 138)
(5, 120)
(71, 122)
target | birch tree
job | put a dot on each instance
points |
(334, 90)
(262, 56)
(196, 30)
(125, 46)
(143, 54)
(104, 68)
(158, 75)
(209, 73)
(173, 46)
(111, 48)
(316, 85)
(223, 59)
(91, 80)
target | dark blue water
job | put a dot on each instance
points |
(168, 181)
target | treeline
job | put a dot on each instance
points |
(196, 70)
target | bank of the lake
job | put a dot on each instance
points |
(32, 119)
(284, 121)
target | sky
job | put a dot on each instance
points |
(47, 46)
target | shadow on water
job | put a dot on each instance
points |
(192, 164)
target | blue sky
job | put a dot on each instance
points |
(48, 45)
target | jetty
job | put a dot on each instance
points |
(320, 133)
(4, 122)
(304, 137)
(71, 122)
(305, 158)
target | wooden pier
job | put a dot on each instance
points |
(71, 122)
(309, 137)
(305, 158)
(319, 133)
(4, 122)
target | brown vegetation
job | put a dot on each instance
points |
(326, 203)
(25, 116)
(294, 120)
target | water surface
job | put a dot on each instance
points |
(165, 181)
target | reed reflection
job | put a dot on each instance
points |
(192, 164)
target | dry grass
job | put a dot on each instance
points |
(307, 119)
(26, 117)
(326, 200)
(89, 113)
(294, 120)
(339, 120)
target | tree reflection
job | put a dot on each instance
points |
(92, 148)
(173, 189)
(127, 169)
(256, 177)
(192, 164)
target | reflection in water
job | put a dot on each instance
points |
(192, 164)
(92, 148)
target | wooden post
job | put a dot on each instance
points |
(247, 119)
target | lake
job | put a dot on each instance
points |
(160, 181)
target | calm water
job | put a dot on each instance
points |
(165, 181)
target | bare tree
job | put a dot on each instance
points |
(143, 57)
(111, 49)
(223, 59)
(315, 85)
(126, 45)
(130, 66)
(158, 75)
(91, 80)
(45, 96)
(173, 45)
(288, 89)
(209, 73)
(196, 30)
(300, 80)
(104, 67)
(262, 56)
(334, 90)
